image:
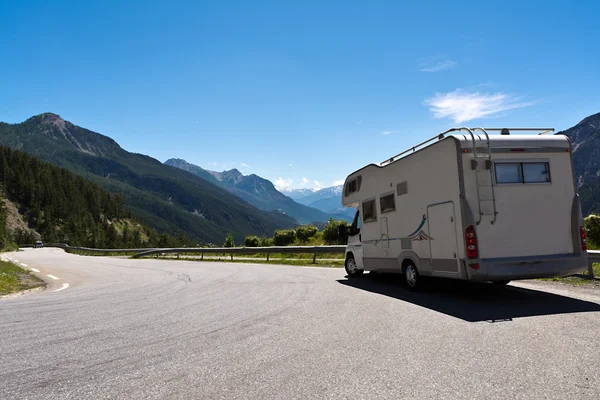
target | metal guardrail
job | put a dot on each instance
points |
(89, 249)
(314, 250)
(593, 255)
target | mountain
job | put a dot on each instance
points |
(194, 169)
(334, 192)
(586, 159)
(257, 191)
(165, 198)
(328, 200)
(297, 194)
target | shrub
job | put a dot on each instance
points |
(251, 241)
(336, 232)
(229, 241)
(592, 230)
(265, 242)
(306, 232)
(284, 237)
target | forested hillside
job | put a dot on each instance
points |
(64, 207)
(166, 198)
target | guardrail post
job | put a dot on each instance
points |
(202, 257)
(590, 269)
(315, 257)
(267, 256)
(231, 256)
(177, 255)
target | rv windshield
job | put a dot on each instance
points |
(355, 228)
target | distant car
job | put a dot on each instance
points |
(38, 245)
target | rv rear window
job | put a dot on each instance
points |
(369, 212)
(523, 172)
(387, 203)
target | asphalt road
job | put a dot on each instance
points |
(150, 329)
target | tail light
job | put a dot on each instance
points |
(471, 242)
(583, 240)
(471, 245)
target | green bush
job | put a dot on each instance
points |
(336, 232)
(251, 241)
(284, 237)
(229, 241)
(306, 232)
(592, 230)
(265, 242)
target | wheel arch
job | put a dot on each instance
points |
(408, 257)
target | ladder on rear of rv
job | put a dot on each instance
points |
(484, 177)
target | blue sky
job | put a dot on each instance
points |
(301, 93)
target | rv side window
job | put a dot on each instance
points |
(508, 173)
(536, 172)
(369, 212)
(387, 203)
(525, 172)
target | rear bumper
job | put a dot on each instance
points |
(528, 267)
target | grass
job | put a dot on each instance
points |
(582, 279)
(14, 279)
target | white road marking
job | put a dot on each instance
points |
(23, 265)
(64, 286)
(52, 276)
(35, 270)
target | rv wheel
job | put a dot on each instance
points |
(413, 279)
(351, 268)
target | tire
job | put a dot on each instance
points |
(501, 283)
(412, 277)
(351, 268)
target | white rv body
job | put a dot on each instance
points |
(512, 197)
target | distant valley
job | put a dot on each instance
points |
(262, 193)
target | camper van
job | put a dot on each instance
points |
(469, 204)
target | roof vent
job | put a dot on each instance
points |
(504, 131)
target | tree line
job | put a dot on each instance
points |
(334, 232)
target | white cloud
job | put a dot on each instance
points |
(304, 180)
(318, 185)
(244, 165)
(281, 183)
(385, 133)
(290, 165)
(463, 106)
(339, 182)
(214, 163)
(438, 66)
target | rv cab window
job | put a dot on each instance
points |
(369, 211)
